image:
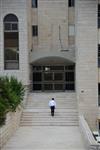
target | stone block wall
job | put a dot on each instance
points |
(52, 15)
(10, 127)
(18, 8)
(53, 19)
(86, 60)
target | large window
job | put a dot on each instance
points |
(54, 78)
(35, 30)
(71, 34)
(11, 42)
(34, 3)
(71, 29)
(98, 55)
(99, 16)
(71, 3)
(99, 94)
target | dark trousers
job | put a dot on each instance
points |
(52, 110)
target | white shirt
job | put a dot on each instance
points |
(52, 103)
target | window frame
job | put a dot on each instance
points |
(71, 30)
(98, 15)
(34, 4)
(34, 30)
(99, 94)
(11, 28)
(71, 3)
(99, 55)
(11, 64)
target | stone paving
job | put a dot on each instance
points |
(46, 138)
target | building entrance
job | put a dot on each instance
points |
(53, 78)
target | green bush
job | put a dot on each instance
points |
(2, 113)
(11, 95)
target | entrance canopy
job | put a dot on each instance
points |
(52, 61)
(53, 74)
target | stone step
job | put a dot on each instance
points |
(41, 98)
(46, 103)
(71, 99)
(48, 120)
(47, 115)
(40, 103)
(50, 124)
(38, 119)
(43, 108)
(46, 99)
(37, 111)
(48, 110)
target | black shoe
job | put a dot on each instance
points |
(52, 115)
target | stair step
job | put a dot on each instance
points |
(37, 111)
(46, 116)
(51, 124)
(49, 119)
(48, 110)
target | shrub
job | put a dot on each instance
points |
(3, 109)
(11, 95)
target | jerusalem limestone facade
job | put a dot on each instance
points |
(55, 45)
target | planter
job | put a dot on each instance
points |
(2, 120)
(10, 124)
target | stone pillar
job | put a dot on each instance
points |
(86, 60)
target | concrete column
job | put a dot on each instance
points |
(86, 60)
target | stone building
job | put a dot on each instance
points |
(54, 45)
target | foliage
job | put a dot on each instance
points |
(11, 95)
(2, 113)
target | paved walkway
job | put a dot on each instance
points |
(46, 138)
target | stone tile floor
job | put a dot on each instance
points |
(46, 138)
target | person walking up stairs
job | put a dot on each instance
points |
(39, 131)
(37, 112)
(52, 105)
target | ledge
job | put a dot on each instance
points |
(90, 142)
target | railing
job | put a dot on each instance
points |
(90, 142)
(94, 147)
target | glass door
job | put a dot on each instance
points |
(58, 81)
(47, 81)
(37, 78)
(53, 78)
(48, 76)
(53, 81)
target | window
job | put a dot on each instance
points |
(35, 30)
(71, 30)
(71, 3)
(98, 55)
(11, 42)
(71, 36)
(99, 16)
(99, 94)
(10, 26)
(34, 3)
(10, 23)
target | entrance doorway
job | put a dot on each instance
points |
(53, 78)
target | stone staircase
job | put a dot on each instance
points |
(37, 112)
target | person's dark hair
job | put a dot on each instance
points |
(52, 98)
